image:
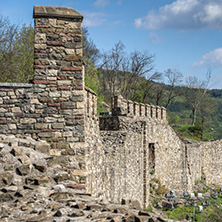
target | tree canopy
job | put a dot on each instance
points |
(16, 52)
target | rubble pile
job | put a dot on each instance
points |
(35, 186)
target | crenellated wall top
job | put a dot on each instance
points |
(123, 107)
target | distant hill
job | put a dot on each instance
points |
(208, 124)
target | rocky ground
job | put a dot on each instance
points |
(34, 187)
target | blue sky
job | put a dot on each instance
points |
(183, 34)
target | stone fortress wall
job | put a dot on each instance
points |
(52, 108)
(113, 155)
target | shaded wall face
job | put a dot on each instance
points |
(205, 162)
(116, 164)
(166, 156)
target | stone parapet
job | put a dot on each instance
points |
(90, 103)
(123, 107)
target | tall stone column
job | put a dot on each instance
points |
(59, 81)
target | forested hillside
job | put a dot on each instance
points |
(194, 110)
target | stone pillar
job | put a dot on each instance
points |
(120, 106)
(130, 108)
(163, 114)
(147, 110)
(142, 109)
(136, 109)
(59, 78)
(152, 112)
(158, 110)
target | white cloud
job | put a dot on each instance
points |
(184, 15)
(211, 58)
(155, 38)
(93, 19)
(101, 3)
(138, 22)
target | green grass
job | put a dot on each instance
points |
(212, 213)
(194, 133)
(179, 213)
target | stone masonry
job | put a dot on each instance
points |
(113, 157)
(52, 108)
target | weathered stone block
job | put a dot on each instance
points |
(78, 52)
(45, 134)
(62, 145)
(27, 120)
(40, 46)
(80, 105)
(53, 22)
(41, 126)
(73, 139)
(42, 147)
(6, 179)
(52, 72)
(23, 170)
(16, 109)
(68, 152)
(70, 51)
(79, 98)
(40, 38)
(58, 125)
(55, 152)
(55, 94)
(68, 105)
(2, 110)
(64, 83)
(34, 101)
(12, 126)
(4, 197)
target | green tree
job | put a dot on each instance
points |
(16, 52)
(130, 75)
(90, 51)
(196, 91)
(91, 55)
(207, 109)
(91, 76)
(174, 79)
(24, 57)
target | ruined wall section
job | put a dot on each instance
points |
(93, 145)
(211, 162)
(205, 162)
(162, 153)
(169, 155)
(52, 109)
(194, 161)
(123, 164)
(115, 157)
(119, 160)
